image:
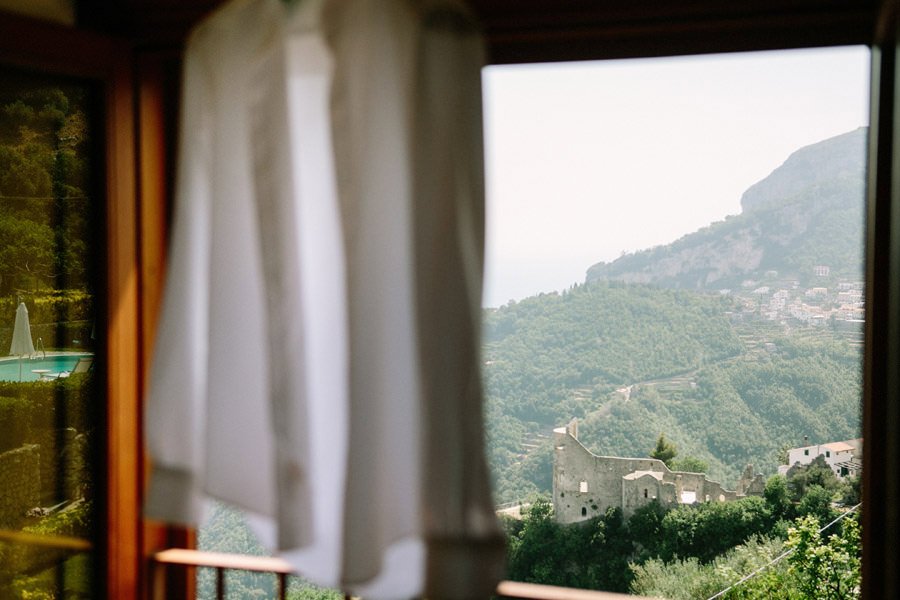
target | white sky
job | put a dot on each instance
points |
(587, 160)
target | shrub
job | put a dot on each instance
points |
(15, 423)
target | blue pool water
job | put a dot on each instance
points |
(54, 363)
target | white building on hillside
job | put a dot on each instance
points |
(844, 458)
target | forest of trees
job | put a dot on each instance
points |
(666, 373)
(691, 374)
(694, 551)
(45, 179)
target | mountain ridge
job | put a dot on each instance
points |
(832, 158)
(809, 211)
(643, 347)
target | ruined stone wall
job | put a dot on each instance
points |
(643, 490)
(714, 492)
(690, 482)
(575, 465)
(20, 483)
(586, 485)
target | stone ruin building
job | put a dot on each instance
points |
(586, 485)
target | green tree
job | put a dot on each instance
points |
(605, 549)
(816, 473)
(690, 464)
(690, 579)
(826, 569)
(645, 526)
(25, 253)
(535, 554)
(781, 456)
(817, 503)
(44, 174)
(851, 490)
(777, 497)
(664, 450)
(593, 554)
(709, 529)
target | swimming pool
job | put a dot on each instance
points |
(52, 364)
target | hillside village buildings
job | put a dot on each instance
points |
(844, 458)
(841, 306)
(586, 485)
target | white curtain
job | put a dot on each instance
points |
(317, 360)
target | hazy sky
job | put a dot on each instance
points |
(588, 160)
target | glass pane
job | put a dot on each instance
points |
(672, 325)
(50, 405)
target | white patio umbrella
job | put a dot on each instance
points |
(21, 340)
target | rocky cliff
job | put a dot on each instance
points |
(807, 212)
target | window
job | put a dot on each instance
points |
(523, 32)
(513, 42)
(643, 331)
(50, 398)
(526, 32)
(74, 106)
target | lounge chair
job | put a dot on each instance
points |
(83, 365)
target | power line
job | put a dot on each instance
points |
(777, 559)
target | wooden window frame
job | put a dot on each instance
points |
(533, 31)
(139, 137)
(105, 61)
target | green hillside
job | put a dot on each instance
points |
(741, 411)
(633, 361)
(594, 337)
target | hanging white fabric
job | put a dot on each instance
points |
(317, 358)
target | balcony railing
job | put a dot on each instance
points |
(219, 561)
(179, 558)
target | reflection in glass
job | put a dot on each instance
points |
(50, 418)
